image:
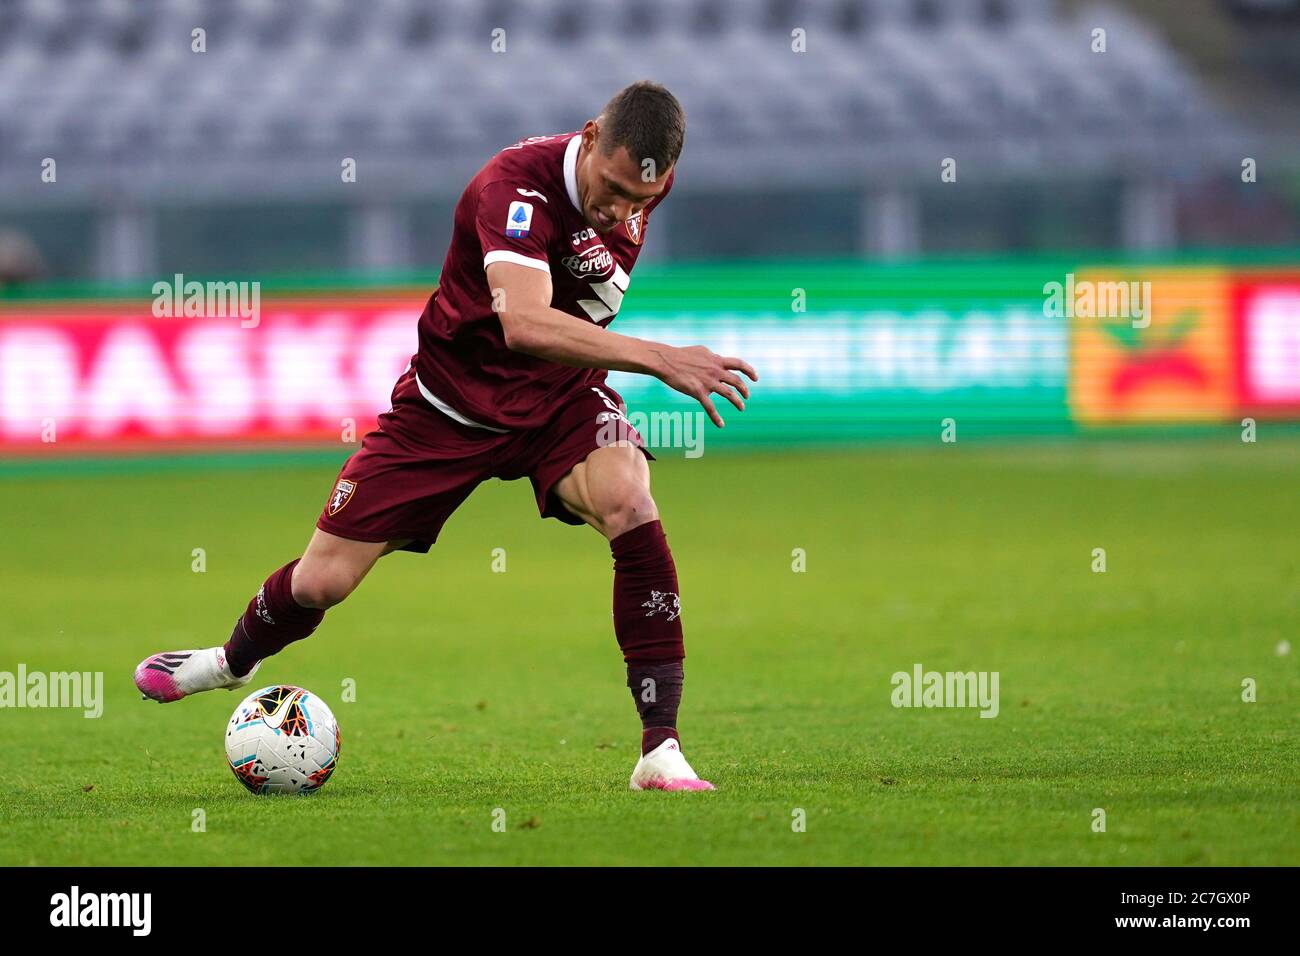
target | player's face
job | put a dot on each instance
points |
(612, 188)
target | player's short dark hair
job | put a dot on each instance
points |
(648, 120)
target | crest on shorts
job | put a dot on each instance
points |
(341, 496)
(635, 227)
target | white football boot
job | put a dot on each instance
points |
(175, 674)
(664, 768)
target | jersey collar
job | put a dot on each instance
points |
(571, 169)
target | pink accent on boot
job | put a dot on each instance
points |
(682, 785)
(157, 684)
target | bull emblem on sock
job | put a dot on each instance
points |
(665, 601)
(262, 610)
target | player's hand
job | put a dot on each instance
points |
(699, 373)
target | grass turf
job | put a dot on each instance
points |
(478, 690)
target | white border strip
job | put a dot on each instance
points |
(450, 412)
(571, 169)
(505, 255)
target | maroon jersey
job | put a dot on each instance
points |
(522, 207)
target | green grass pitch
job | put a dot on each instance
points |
(478, 690)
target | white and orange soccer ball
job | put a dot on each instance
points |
(282, 739)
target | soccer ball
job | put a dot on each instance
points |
(282, 739)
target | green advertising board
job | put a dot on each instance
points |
(847, 353)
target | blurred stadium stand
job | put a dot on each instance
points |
(230, 159)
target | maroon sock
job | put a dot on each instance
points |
(272, 621)
(647, 610)
(647, 623)
(657, 692)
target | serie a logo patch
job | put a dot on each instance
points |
(519, 219)
(342, 495)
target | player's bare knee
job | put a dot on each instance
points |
(626, 511)
(321, 588)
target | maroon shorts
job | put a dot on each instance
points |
(419, 465)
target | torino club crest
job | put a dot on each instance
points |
(634, 227)
(341, 496)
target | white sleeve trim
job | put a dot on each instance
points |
(505, 255)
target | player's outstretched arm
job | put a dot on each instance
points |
(530, 325)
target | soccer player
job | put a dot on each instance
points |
(508, 382)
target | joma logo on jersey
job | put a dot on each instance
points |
(341, 496)
(594, 262)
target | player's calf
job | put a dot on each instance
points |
(272, 621)
(292, 602)
(648, 626)
(610, 490)
(647, 623)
